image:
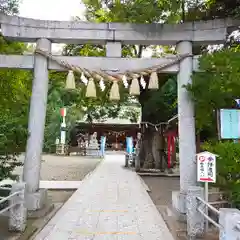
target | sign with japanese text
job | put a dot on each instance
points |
(206, 167)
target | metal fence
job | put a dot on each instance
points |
(8, 198)
(227, 219)
(14, 205)
(205, 215)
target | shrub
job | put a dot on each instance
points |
(13, 135)
(228, 168)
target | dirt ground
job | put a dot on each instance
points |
(161, 189)
(73, 168)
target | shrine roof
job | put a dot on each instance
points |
(109, 124)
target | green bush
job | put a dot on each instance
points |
(228, 168)
(13, 136)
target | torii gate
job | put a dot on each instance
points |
(113, 35)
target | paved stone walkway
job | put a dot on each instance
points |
(111, 204)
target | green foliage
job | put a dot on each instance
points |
(228, 168)
(216, 86)
(160, 105)
(9, 6)
(222, 8)
(14, 100)
(130, 112)
(133, 11)
(13, 133)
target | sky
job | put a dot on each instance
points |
(51, 9)
(55, 10)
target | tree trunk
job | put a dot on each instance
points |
(146, 156)
(150, 151)
(156, 149)
(162, 154)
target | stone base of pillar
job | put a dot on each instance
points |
(37, 200)
(179, 205)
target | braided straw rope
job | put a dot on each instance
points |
(101, 75)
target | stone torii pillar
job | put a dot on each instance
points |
(186, 128)
(35, 197)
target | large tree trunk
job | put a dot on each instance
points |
(146, 157)
(151, 150)
(156, 141)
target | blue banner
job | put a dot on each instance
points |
(129, 141)
(102, 145)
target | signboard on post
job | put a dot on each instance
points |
(206, 167)
(206, 172)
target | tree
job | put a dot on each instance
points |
(9, 6)
(222, 67)
(14, 101)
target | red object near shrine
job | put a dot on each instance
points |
(171, 137)
(63, 112)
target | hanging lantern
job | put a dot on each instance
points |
(134, 87)
(91, 89)
(70, 81)
(114, 92)
(153, 81)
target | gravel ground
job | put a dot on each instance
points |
(64, 168)
(60, 168)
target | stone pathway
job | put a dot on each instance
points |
(111, 204)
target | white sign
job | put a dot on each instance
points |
(206, 167)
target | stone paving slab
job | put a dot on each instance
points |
(110, 204)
